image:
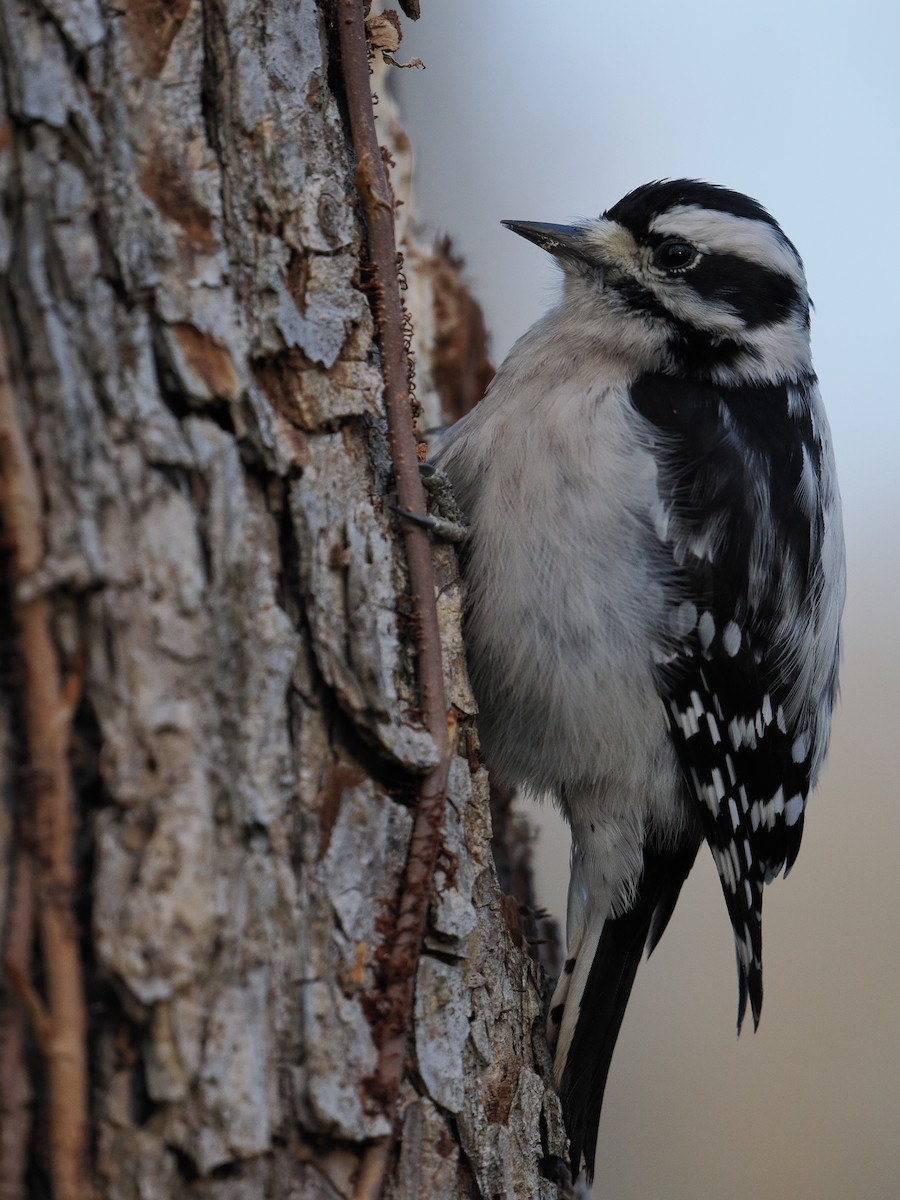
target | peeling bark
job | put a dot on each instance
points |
(193, 369)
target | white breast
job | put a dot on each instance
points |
(566, 592)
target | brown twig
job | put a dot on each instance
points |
(14, 1090)
(46, 720)
(403, 957)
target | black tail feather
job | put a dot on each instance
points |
(606, 995)
(668, 898)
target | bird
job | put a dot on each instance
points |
(654, 578)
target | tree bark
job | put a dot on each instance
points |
(210, 731)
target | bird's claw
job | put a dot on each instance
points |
(439, 527)
(448, 524)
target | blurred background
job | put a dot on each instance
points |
(542, 111)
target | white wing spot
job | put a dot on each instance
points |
(772, 809)
(793, 809)
(718, 784)
(800, 748)
(733, 809)
(731, 638)
(726, 870)
(706, 627)
(684, 618)
(745, 948)
(687, 720)
(735, 863)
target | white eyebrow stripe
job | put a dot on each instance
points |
(724, 233)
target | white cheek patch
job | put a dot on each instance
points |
(713, 316)
(723, 233)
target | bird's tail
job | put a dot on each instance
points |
(599, 993)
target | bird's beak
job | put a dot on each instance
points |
(562, 241)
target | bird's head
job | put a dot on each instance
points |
(686, 278)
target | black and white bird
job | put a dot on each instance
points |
(655, 576)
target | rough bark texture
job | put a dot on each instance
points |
(192, 373)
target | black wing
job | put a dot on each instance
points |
(740, 513)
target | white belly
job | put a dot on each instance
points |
(565, 594)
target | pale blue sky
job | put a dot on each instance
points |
(545, 112)
(542, 111)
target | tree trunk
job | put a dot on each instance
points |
(209, 730)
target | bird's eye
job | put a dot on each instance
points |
(674, 256)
